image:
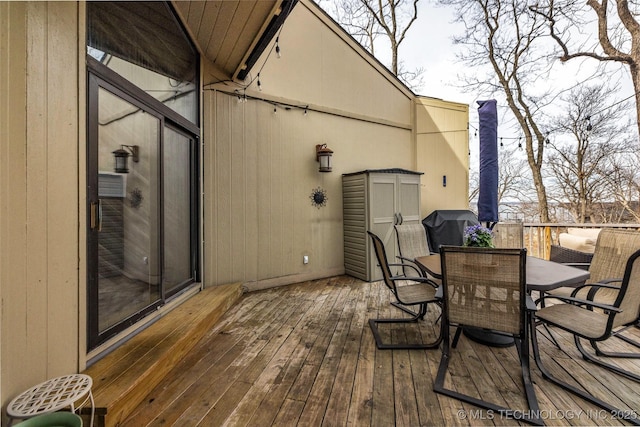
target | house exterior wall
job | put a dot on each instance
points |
(442, 147)
(260, 167)
(259, 170)
(39, 196)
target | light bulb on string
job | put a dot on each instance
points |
(501, 143)
(259, 84)
(278, 48)
(520, 142)
(589, 126)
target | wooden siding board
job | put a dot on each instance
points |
(224, 193)
(238, 189)
(237, 25)
(195, 15)
(13, 62)
(265, 253)
(37, 283)
(222, 24)
(254, 188)
(252, 25)
(206, 32)
(62, 188)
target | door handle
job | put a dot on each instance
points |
(96, 215)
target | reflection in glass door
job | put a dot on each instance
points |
(126, 211)
(178, 234)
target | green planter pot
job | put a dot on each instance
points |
(56, 419)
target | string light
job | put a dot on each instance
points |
(278, 48)
(501, 143)
(589, 126)
(259, 84)
(520, 142)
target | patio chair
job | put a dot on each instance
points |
(570, 256)
(593, 321)
(412, 242)
(613, 249)
(408, 291)
(494, 300)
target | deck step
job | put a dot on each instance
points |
(122, 379)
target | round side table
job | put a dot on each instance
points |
(53, 395)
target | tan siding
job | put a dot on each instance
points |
(260, 170)
(37, 284)
(12, 194)
(39, 228)
(443, 149)
(62, 178)
(321, 66)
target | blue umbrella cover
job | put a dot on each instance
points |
(488, 194)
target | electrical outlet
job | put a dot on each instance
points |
(305, 259)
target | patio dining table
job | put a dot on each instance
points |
(542, 275)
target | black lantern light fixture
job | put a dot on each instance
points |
(323, 156)
(121, 156)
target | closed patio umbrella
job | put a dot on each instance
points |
(488, 194)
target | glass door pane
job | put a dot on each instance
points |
(128, 243)
(178, 267)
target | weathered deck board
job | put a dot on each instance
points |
(304, 355)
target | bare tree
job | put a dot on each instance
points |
(623, 182)
(354, 17)
(505, 35)
(618, 34)
(583, 148)
(367, 20)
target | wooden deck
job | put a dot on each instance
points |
(304, 355)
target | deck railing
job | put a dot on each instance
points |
(538, 237)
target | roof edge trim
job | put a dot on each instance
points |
(272, 28)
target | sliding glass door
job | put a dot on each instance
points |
(142, 206)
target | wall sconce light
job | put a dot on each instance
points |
(323, 155)
(121, 156)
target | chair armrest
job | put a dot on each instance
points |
(415, 279)
(606, 284)
(579, 301)
(401, 264)
(531, 305)
(439, 292)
